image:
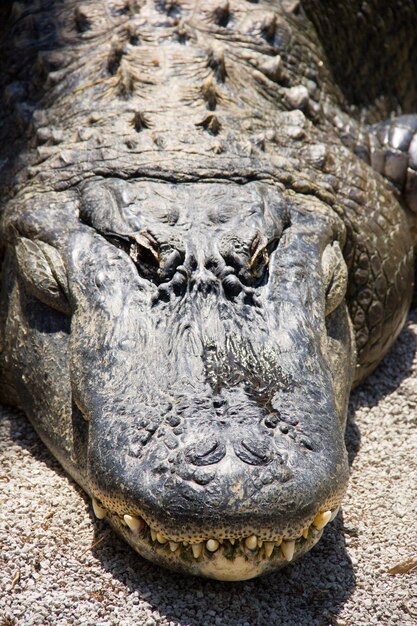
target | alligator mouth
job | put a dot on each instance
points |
(231, 558)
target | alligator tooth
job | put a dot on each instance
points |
(305, 532)
(232, 541)
(161, 538)
(321, 519)
(288, 548)
(278, 542)
(251, 542)
(153, 534)
(269, 548)
(334, 513)
(212, 545)
(134, 523)
(260, 543)
(197, 549)
(173, 546)
(99, 511)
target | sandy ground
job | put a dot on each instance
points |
(59, 566)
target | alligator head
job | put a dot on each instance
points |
(207, 363)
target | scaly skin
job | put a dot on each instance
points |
(198, 263)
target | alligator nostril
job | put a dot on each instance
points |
(254, 451)
(205, 452)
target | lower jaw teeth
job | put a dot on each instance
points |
(197, 549)
(212, 545)
(230, 548)
(269, 548)
(249, 546)
(288, 549)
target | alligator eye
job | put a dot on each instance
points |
(261, 250)
(154, 260)
(250, 258)
(335, 276)
(144, 251)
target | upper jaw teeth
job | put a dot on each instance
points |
(288, 549)
(322, 519)
(252, 543)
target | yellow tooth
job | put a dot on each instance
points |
(269, 548)
(212, 545)
(173, 546)
(134, 523)
(260, 543)
(287, 548)
(305, 532)
(161, 538)
(278, 542)
(251, 542)
(99, 511)
(197, 549)
(232, 541)
(334, 513)
(321, 519)
(153, 534)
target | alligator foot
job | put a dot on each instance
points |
(393, 153)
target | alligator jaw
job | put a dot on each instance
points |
(227, 559)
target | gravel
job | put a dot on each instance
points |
(59, 566)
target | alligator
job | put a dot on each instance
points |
(207, 233)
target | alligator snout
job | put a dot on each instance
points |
(254, 485)
(226, 472)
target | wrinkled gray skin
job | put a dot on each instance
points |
(207, 235)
